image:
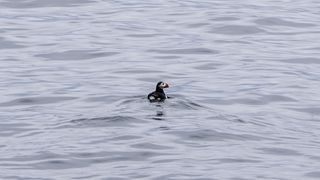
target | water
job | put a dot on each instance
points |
(244, 79)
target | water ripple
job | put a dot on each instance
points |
(76, 55)
(186, 51)
(5, 44)
(274, 21)
(43, 3)
(36, 100)
(244, 89)
(237, 30)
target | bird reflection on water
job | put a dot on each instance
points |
(159, 116)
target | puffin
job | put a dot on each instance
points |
(158, 95)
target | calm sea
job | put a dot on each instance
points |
(244, 77)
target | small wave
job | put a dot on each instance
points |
(313, 174)
(302, 60)
(9, 130)
(280, 151)
(185, 104)
(44, 3)
(76, 55)
(237, 30)
(111, 121)
(185, 51)
(36, 100)
(5, 44)
(274, 21)
(212, 135)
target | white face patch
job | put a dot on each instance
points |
(162, 85)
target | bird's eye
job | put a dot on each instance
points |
(162, 84)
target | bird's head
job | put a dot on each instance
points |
(162, 85)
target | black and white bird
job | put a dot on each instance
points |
(158, 95)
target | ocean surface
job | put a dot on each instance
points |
(244, 77)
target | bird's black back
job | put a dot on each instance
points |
(157, 96)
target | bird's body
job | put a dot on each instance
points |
(158, 95)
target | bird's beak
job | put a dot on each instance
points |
(166, 85)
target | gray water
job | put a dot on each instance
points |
(244, 78)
